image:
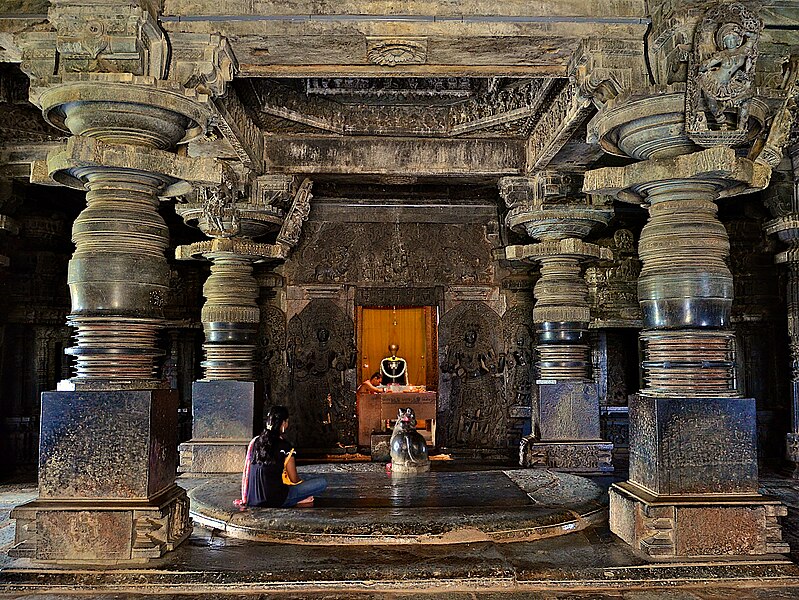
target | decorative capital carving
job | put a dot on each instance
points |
(391, 52)
(603, 68)
(202, 61)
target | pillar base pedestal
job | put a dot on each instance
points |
(212, 456)
(101, 532)
(567, 456)
(225, 414)
(694, 526)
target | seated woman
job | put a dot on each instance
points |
(270, 473)
(371, 385)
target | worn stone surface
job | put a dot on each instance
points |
(116, 444)
(225, 410)
(568, 411)
(693, 445)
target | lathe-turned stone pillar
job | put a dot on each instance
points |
(692, 488)
(566, 427)
(107, 454)
(227, 403)
(786, 227)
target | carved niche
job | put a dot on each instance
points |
(472, 410)
(320, 353)
(407, 254)
(519, 372)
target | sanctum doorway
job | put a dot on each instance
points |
(414, 329)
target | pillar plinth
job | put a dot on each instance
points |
(692, 488)
(566, 423)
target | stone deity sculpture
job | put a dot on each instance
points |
(481, 418)
(393, 368)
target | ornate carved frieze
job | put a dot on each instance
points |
(240, 130)
(395, 89)
(403, 255)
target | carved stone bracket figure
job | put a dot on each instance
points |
(548, 208)
(101, 78)
(721, 75)
(693, 458)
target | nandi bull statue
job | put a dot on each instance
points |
(408, 448)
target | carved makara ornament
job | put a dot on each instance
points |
(390, 52)
(721, 76)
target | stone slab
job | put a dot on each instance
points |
(568, 411)
(682, 526)
(107, 444)
(225, 410)
(433, 507)
(693, 445)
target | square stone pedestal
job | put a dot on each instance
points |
(568, 437)
(693, 481)
(107, 492)
(225, 415)
(696, 526)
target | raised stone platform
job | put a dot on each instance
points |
(365, 505)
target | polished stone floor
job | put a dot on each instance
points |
(589, 563)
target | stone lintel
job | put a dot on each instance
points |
(394, 156)
(567, 247)
(732, 174)
(81, 151)
(682, 526)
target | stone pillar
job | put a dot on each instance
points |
(566, 429)
(227, 402)
(108, 446)
(786, 227)
(692, 488)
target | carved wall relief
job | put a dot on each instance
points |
(320, 356)
(404, 254)
(472, 410)
(520, 390)
(271, 355)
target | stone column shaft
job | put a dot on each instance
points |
(230, 318)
